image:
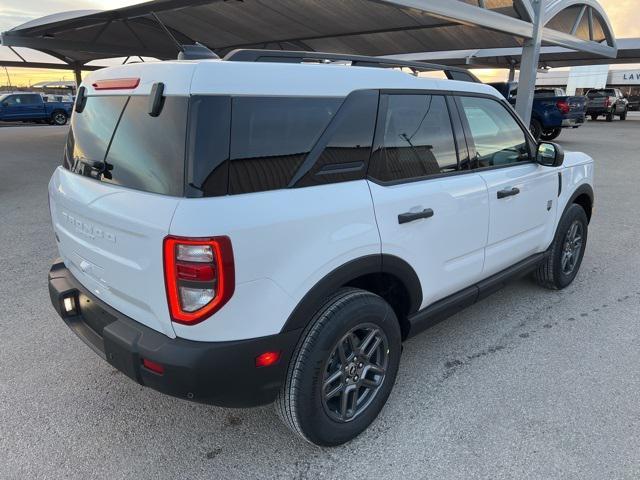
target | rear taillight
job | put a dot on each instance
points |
(199, 276)
(607, 102)
(563, 106)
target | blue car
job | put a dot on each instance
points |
(31, 107)
(552, 110)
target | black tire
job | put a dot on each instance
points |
(59, 118)
(535, 127)
(594, 117)
(552, 273)
(301, 403)
(610, 116)
(550, 134)
(623, 115)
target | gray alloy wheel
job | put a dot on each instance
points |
(572, 247)
(564, 256)
(59, 118)
(343, 369)
(354, 372)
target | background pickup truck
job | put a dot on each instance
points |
(608, 102)
(552, 109)
(30, 107)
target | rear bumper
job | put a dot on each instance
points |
(218, 373)
(573, 122)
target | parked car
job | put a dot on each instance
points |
(634, 102)
(552, 109)
(241, 232)
(30, 107)
(609, 102)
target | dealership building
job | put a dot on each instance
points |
(577, 80)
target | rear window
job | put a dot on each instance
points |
(116, 141)
(600, 93)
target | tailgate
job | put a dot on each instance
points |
(110, 238)
(577, 104)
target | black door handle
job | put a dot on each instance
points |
(411, 216)
(509, 192)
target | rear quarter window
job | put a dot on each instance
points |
(271, 136)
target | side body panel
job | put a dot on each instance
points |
(519, 225)
(446, 250)
(284, 242)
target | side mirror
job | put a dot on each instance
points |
(550, 154)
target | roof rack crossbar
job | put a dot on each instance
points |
(290, 56)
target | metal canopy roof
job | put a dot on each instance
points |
(365, 27)
(552, 57)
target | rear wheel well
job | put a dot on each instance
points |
(392, 290)
(585, 202)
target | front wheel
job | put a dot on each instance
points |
(565, 254)
(594, 117)
(550, 134)
(609, 116)
(623, 116)
(343, 369)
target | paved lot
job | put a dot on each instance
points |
(527, 384)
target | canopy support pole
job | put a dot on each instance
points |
(529, 65)
(77, 72)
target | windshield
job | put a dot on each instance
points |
(115, 140)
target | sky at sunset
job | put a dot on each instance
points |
(624, 15)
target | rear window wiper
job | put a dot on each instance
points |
(97, 169)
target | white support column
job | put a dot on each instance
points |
(529, 65)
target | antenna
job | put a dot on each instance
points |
(6, 71)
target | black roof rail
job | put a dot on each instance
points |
(291, 56)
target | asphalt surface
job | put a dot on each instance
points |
(528, 384)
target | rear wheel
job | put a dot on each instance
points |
(536, 129)
(623, 116)
(550, 134)
(343, 370)
(565, 254)
(594, 117)
(610, 116)
(59, 118)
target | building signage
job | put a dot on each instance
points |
(624, 77)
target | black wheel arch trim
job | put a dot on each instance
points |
(349, 271)
(583, 189)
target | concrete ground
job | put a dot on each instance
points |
(528, 384)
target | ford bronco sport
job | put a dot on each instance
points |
(272, 226)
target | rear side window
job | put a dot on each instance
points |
(497, 136)
(416, 139)
(115, 140)
(271, 136)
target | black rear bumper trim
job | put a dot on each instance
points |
(217, 373)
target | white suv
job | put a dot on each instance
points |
(240, 231)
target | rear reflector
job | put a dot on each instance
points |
(116, 84)
(267, 359)
(199, 277)
(155, 367)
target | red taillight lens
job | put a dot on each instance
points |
(199, 276)
(116, 84)
(267, 359)
(563, 106)
(607, 102)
